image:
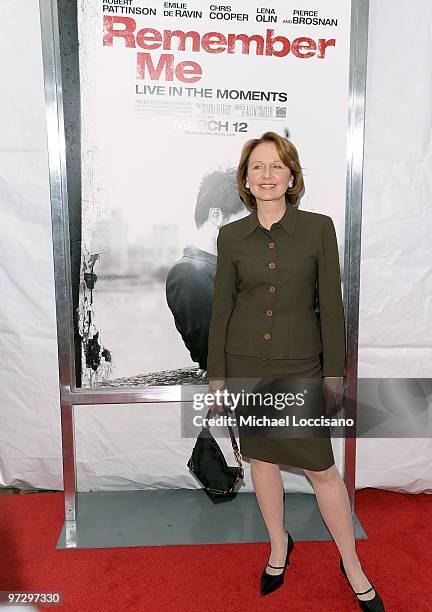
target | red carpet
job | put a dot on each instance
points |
(397, 557)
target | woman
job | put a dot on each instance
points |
(263, 325)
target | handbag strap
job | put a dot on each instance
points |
(236, 450)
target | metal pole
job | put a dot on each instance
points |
(61, 250)
(358, 65)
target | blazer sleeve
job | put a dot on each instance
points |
(332, 319)
(224, 299)
(189, 296)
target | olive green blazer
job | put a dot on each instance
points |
(265, 287)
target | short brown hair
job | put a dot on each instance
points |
(289, 156)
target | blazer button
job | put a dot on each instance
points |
(267, 336)
(272, 289)
(271, 245)
(269, 313)
(272, 265)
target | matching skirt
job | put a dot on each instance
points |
(287, 447)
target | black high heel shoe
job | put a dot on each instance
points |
(370, 605)
(270, 582)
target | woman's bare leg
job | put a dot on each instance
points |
(268, 486)
(333, 502)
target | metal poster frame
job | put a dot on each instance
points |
(70, 396)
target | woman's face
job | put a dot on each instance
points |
(267, 175)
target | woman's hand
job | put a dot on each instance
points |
(217, 385)
(333, 393)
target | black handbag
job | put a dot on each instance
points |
(209, 465)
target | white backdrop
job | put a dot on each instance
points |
(116, 447)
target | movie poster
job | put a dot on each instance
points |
(170, 92)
